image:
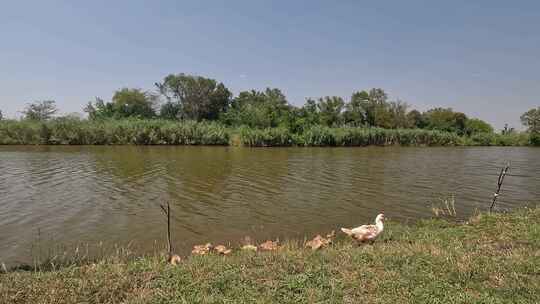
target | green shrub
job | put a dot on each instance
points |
(534, 138)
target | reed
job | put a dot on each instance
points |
(445, 208)
(350, 136)
(270, 137)
(112, 132)
(68, 131)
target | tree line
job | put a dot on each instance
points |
(195, 98)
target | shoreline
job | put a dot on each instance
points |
(490, 258)
(167, 132)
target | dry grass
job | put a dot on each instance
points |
(491, 259)
(445, 208)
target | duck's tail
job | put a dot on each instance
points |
(347, 231)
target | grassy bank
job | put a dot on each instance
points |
(166, 132)
(490, 259)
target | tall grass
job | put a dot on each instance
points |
(271, 137)
(494, 139)
(350, 136)
(65, 131)
(112, 132)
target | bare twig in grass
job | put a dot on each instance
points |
(499, 185)
(171, 257)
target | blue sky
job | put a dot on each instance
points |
(482, 58)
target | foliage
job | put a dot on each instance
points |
(330, 109)
(255, 109)
(493, 258)
(372, 104)
(374, 109)
(66, 131)
(125, 103)
(74, 131)
(264, 118)
(398, 115)
(198, 98)
(355, 114)
(40, 110)
(170, 110)
(99, 109)
(531, 119)
(134, 103)
(1, 115)
(445, 120)
(415, 119)
(475, 126)
(270, 137)
(352, 136)
(534, 139)
(494, 139)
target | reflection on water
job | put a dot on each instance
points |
(111, 194)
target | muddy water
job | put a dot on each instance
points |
(112, 194)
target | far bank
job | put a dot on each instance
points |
(168, 132)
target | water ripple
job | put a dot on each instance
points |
(222, 194)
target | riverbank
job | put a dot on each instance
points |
(489, 259)
(167, 132)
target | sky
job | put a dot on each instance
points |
(478, 57)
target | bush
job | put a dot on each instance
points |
(534, 139)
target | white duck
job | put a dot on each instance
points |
(366, 232)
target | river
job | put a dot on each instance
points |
(89, 194)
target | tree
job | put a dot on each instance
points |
(376, 108)
(398, 114)
(415, 119)
(125, 103)
(1, 116)
(355, 110)
(259, 109)
(330, 109)
(133, 103)
(309, 113)
(304, 117)
(198, 97)
(40, 110)
(170, 110)
(445, 120)
(99, 109)
(373, 106)
(369, 102)
(475, 125)
(531, 119)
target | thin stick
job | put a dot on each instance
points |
(167, 212)
(499, 185)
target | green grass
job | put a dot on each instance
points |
(490, 259)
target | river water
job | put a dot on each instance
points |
(88, 194)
